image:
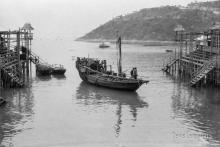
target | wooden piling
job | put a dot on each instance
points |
(198, 56)
(14, 68)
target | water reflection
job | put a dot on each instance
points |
(59, 77)
(43, 78)
(16, 112)
(91, 95)
(199, 110)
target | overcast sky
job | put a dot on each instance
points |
(70, 18)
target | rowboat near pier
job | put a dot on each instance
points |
(94, 71)
(43, 70)
(58, 69)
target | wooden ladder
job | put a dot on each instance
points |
(203, 71)
(34, 58)
(168, 65)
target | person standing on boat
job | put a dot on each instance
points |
(135, 73)
(132, 72)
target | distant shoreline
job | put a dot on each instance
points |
(142, 42)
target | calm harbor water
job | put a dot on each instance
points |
(64, 111)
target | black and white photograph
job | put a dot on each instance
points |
(109, 73)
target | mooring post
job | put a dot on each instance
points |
(217, 58)
(8, 39)
(27, 52)
(18, 52)
(0, 77)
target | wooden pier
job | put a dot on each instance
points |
(197, 56)
(16, 57)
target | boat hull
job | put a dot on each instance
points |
(124, 84)
(120, 85)
(43, 70)
(59, 72)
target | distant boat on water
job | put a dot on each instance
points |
(94, 71)
(169, 51)
(104, 45)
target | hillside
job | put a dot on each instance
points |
(154, 23)
(208, 4)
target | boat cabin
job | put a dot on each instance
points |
(97, 66)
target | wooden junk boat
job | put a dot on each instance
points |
(95, 71)
(58, 69)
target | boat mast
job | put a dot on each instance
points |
(119, 58)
